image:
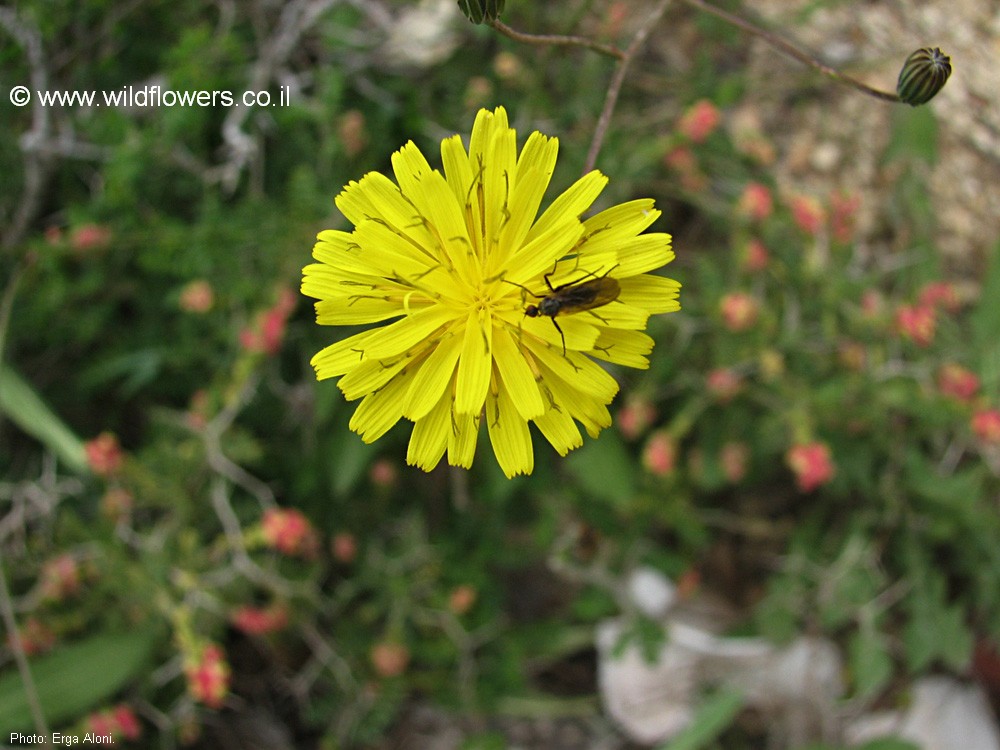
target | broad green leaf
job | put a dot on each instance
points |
(870, 662)
(349, 459)
(603, 468)
(935, 630)
(24, 407)
(889, 743)
(76, 677)
(714, 715)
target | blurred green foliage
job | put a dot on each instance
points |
(896, 555)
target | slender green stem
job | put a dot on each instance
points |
(791, 50)
(568, 41)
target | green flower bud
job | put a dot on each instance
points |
(481, 11)
(924, 74)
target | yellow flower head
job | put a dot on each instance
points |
(470, 275)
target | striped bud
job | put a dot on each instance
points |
(481, 11)
(924, 74)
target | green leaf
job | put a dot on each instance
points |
(889, 743)
(603, 468)
(934, 629)
(349, 458)
(24, 407)
(870, 662)
(76, 677)
(714, 715)
(955, 649)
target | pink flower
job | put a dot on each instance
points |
(390, 659)
(260, 620)
(60, 578)
(916, 323)
(734, 457)
(739, 311)
(699, 121)
(289, 531)
(461, 599)
(681, 159)
(267, 335)
(872, 304)
(986, 425)
(383, 473)
(812, 465)
(197, 297)
(344, 547)
(723, 383)
(940, 294)
(843, 214)
(635, 416)
(102, 724)
(208, 676)
(104, 455)
(36, 637)
(89, 237)
(755, 256)
(756, 202)
(807, 213)
(128, 722)
(196, 416)
(659, 455)
(119, 722)
(956, 382)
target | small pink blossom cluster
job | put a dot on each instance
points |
(812, 464)
(119, 722)
(208, 675)
(918, 322)
(104, 454)
(290, 532)
(268, 332)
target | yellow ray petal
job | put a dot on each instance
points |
(430, 435)
(560, 430)
(433, 376)
(462, 440)
(509, 434)
(513, 370)
(474, 365)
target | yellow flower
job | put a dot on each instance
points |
(458, 258)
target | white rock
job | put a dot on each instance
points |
(652, 592)
(945, 715)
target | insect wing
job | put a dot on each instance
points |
(588, 295)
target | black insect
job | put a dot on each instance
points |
(574, 297)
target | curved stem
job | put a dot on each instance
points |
(792, 51)
(611, 98)
(567, 41)
(20, 658)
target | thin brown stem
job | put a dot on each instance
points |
(20, 658)
(611, 98)
(791, 50)
(566, 41)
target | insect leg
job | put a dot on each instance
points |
(561, 334)
(549, 274)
